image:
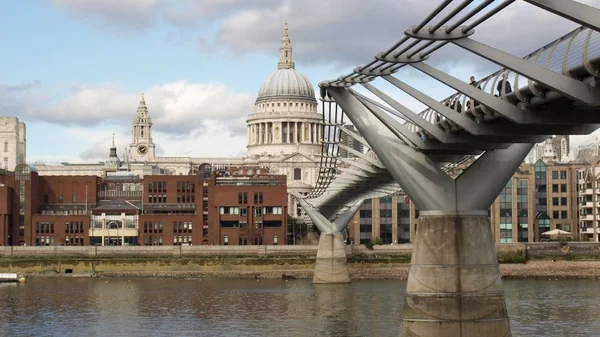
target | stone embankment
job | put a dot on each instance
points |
(529, 260)
(543, 269)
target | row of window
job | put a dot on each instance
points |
(157, 187)
(258, 211)
(285, 103)
(244, 224)
(179, 239)
(66, 212)
(186, 186)
(157, 199)
(257, 241)
(182, 227)
(44, 227)
(74, 227)
(74, 240)
(186, 198)
(44, 240)
(153, 226)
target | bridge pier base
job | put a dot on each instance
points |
(454, 286)
(331, 265)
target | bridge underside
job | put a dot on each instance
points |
(454, 286)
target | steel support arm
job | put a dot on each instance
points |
(568, 86)
(353, 134)
(409, 115)
(429, 186)
(344, 219)
(324, 225)
(482, 182)
(572, 10)
(393, 125)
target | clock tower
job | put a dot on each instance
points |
(142, 148)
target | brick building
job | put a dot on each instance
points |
(123, 209)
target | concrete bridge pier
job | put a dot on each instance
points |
(454, 286)
(331, 265)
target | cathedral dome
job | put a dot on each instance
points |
(286, 82)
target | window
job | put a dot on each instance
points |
(555, 215)
(260, 197)
(229, 210)
(563, 188)
(554, 188)
(554, 174)
(297, 174)
(226, 240)
(243, 211)
(5, 146)
(245, 197)
(272, 210)
(563, 174)
(240, 197)
(563, 201)
(564, 214)
(554, 201)
(275, 240)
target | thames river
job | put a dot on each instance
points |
(177, 307)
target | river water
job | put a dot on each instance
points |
(177, 307)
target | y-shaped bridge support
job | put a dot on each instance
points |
(331, 265)
(454, 286)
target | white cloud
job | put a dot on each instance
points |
(341, 32)
(216, 141)
(118, 14)
(177, 108)
(190, 119)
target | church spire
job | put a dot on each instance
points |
(142, 110)
(286, 60)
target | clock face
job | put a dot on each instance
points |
(142, 149)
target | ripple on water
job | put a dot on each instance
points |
(159, 307)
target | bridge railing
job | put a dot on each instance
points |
(577, 54)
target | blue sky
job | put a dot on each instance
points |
(73, 69)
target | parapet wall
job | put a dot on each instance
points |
(190, 251)
(518, 252)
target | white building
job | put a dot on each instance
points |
(555, 148)
(284, 136)
(589, 202)
(13, 142)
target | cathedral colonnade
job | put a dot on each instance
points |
(284, 132)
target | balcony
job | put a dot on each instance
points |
(169, 206)
(114, 232)
(121, 195)
(66, 209)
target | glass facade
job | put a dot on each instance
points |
(522, 209)
(385, 219)
(366, 222)
(506, 224)
(403, 218)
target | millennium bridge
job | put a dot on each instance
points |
(454, 286)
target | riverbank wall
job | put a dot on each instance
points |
(387, 261)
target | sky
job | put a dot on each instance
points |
(73, 70)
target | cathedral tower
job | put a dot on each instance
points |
(142, 148)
